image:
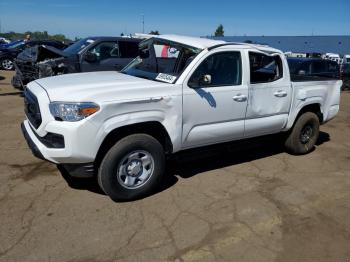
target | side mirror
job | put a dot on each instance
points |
(198, 82)
(205, 80)
(301, 72)
(90, 57)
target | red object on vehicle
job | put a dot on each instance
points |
(165, 51)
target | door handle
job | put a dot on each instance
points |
(240, 98)
(280, 93)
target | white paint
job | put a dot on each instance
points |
(192, 117)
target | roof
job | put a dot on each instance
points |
(205, 43)
(106, 38)
(197, 42)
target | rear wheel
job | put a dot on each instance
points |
(7, 64)
(132, 168)
(304, 134)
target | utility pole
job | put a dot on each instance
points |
(143, 23)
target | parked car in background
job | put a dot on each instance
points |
(346, 59)
(345, 76)
(8, 54)
(88, 54)
(332, 57)
(179, 93)
(313, 69)
(11, 45)
(4, 41)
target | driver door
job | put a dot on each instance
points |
(214, 100)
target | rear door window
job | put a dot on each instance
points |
(264, 68)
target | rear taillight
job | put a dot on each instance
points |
(341, 68)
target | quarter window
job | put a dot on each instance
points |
(221, 69)
(264, 68)
(106, 50)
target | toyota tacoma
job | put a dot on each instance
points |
(179, 93)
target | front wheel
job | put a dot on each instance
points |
(132, 168)
(7, 64)
(304, 135)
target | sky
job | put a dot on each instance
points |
(79, 18)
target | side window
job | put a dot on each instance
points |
(264, 68)
(128, 49)
(325, 70)
(106, 50)
(319, 67)
(220, 69)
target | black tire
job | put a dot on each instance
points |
(304, 134)
(110, 178)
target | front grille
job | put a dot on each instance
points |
(31, 108)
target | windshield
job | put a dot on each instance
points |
(77, 46)
(161, 60)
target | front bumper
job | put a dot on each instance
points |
(80, 143)
(76, 170)
(35, 150)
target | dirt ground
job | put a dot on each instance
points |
(256, 204)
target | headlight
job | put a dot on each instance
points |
(72, 111)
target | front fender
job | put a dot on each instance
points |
(166, 112)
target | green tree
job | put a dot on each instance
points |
(154, 32)
(219, 31)
(37, 35)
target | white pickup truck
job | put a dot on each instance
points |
(179, 93)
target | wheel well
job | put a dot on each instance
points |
(314, 108)
(153, 128)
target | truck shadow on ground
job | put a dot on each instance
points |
(188, 164)
(195, 161)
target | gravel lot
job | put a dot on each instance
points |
(257, 204)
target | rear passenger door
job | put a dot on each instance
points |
(269, 94)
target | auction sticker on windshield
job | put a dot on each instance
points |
(166, 78)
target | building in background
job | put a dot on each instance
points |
(298, 44)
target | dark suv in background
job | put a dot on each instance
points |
(86, 55)
(345, 76)
(8, 54)
(313, 69)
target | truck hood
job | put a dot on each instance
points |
(98, 87)
(40, 53)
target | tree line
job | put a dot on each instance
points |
(36, 35)
(43, 35)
